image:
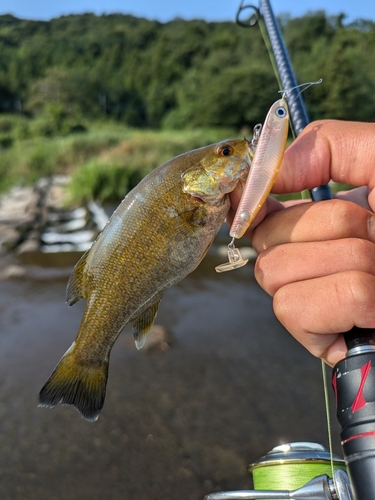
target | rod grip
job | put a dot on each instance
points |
(354, 386)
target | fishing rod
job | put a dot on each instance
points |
(353, 377)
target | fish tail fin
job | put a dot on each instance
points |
(78, 384)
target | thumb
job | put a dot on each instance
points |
(327, 150)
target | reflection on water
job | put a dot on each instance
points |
(174, 425)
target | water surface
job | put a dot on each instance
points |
(175, 425)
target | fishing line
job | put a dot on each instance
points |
(267, 43)
(292, 465)
(263, 31)
(281, 64)
(328, 416)
(288, 476)
(302, 86)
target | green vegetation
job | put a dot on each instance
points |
(108, 176)
(28, 158)
(107, 98)
(105, 161)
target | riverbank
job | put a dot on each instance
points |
(37, 219)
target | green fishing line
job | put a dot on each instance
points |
(292, 465)
(326, 402)
(290, 476)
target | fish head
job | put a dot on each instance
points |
(219, 169)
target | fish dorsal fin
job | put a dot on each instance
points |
(75, 289)
(143, 323)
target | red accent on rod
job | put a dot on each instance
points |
(364, 434)
(359, 401)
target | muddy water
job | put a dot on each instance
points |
(174, 426)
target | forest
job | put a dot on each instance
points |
(74, 73)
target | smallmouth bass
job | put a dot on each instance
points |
(158, 235)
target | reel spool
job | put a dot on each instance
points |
(290, 466)
(298, 471)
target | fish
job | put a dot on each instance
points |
(157, 236)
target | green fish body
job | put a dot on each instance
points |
(157, 236)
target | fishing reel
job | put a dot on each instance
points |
(295, 471)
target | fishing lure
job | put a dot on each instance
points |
(264, 169)
(265, 166)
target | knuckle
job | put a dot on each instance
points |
(266, 270)
(338, 215)
(361, 290)
(281, 305)
(258, 239)
(347, 219)
(362, 252)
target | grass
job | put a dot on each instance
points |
(111, 174)
(27, 159)
(105, 161)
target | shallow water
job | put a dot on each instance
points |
(176, 425)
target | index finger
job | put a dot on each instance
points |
(326, 150)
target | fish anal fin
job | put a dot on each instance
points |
(78, 384)
(143, 323)
(75, 289)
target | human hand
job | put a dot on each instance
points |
(317, 259)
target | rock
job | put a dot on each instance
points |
(36, 219)
(9, 238)
(77, 237)
(14, 206)
(28, 246)
(158, 340)
(30, 221)
(55, 197)
(99, 215)
(12, 271)
(66, 215)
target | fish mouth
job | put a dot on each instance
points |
(213, 200)
(196, 198)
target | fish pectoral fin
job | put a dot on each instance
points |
(143, 323)
(75, 289)
(78, 384)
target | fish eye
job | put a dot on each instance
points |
(280, 112)
(225, 150)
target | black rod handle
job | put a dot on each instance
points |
(354, 385)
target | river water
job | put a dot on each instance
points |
(175, 425)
